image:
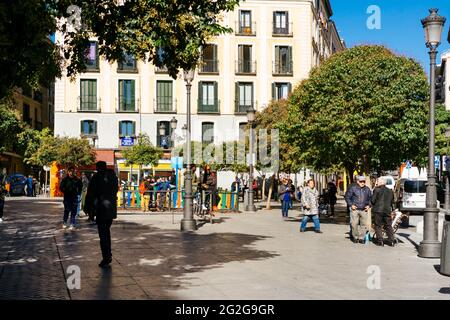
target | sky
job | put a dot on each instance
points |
(401, 29)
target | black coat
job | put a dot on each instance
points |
(101, 196)
(71, 187)
(382, 200)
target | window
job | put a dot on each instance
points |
(281, 22)
(88, 94)
(159, 61)
(242, 130)
(164, 96)
(244, 96)
(245, 22)
(245, 63)
(209, 59)
(26, 114)
(207, 93)
(281, 90)
(207, 132)
(88, 127)
(128, 63)
(283, 60)
(127, 128)
(164, 141)
(127, 95)
(92, 56)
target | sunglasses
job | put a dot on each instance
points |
(361, 181)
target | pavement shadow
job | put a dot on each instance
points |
(148, 262)
(408, 237)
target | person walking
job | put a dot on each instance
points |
(285, 195)
(310, 202)
(148, 189)
(101, 202)
(29, 186)
(164, 186)
(358, 199)
(3, 192)
(71, 186)
(292, 190)
(332, 191)
(85, 183)
(382, 206)
(36, 186)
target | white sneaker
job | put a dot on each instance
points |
(64, 226)
(72, 227)
(204, 207)
(1, 220)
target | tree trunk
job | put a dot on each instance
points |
(264, 189)
(269, 197)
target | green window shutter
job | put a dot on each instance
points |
(134, 128)
(200, 97)
(236, 96)
(253, 98)
(120, 128)
(95, 127)
(121, 84)
(287, 21)
(133, 95)
(216, 97)
(289, 59)
(273, 91)
(274, 21)
(289, 88)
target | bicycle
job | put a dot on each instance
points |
(200, 209)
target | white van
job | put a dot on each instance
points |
(390, 182)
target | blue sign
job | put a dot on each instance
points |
(437, 161)
(408, 164)
(126, 141)
(176, 162)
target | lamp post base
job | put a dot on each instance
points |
(188, 225)
(250, 207)
(430, 249)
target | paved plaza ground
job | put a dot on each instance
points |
(240, 256)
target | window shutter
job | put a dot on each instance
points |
(277, 59)
(133, 95)
(200, 96)
(81, 128)
(120, 94)
(289, 59)
(287, 21)
(253, 97)
(289, 88)
(274, 24)
(273, 91)
(134, 128)
(216, 97)
(236, 96)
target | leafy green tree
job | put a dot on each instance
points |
(363, 105)
(74, 151)
(143, 153)
(30, 142)
(10, 125)
(442, 122)
(28, 57)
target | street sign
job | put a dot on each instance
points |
(408, 164)
(126, 141)
(437, 161)
(176, 162)
(446, 163)
(46, 168)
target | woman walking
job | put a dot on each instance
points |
(286, 194)
(310, 204)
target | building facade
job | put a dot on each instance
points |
(443, 80)
(273, 47)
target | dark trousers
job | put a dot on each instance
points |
(70, 206)
(383, 219)
(104, 234)
(2, 205)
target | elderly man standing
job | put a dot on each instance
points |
(358, 199)
(382, 206)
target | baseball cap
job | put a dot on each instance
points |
(361, 178)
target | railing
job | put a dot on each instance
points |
(127, 67)
(209, 66)
(163, 106)
(206, 108)
(245, 30)
(241, 107)
(282, 31)
(126, 108)
(162, 69)
(245, 67)
(131, 198)
(89, 106)
(283, 68)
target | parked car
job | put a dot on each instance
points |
(410, 195)
(17, 184)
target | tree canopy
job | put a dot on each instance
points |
(10, 125)
(364, 106)
(143, 153)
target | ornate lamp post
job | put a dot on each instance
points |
(188, 223)
(430, 247)
(447, 187)
(251, 119)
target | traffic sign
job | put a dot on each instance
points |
(437, 161)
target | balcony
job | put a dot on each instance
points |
(282, 31)
(89, 104)
(162, 69)
(127, 107)
(127, 67)
(208, 108)
(245, 67)
(163, 106)
(283, 69)
(245, 30)
(209, 67)
(241, 107)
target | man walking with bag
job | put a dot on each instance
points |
(101, 202)
(358, 199)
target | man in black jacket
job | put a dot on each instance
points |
(71, 186)
(101, 202)
(382, 206)
(358, 199)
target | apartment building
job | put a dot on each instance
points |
(273, 47)
(443, 80)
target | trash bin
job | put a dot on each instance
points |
(445, 249)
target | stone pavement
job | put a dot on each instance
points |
(240, 256)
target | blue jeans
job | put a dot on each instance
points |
(70, 206)
(284, 208)
(314, 218)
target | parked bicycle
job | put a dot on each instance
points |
(202, 208)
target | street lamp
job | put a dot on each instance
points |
(188, 223)
(430, 247)
(251, 119)
(447, 166)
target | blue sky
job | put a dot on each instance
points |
(401, 29)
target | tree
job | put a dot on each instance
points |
(31, 142)
(442, 122)
(27, 56)
(10, 125)
(143, 153)
(363, 105)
